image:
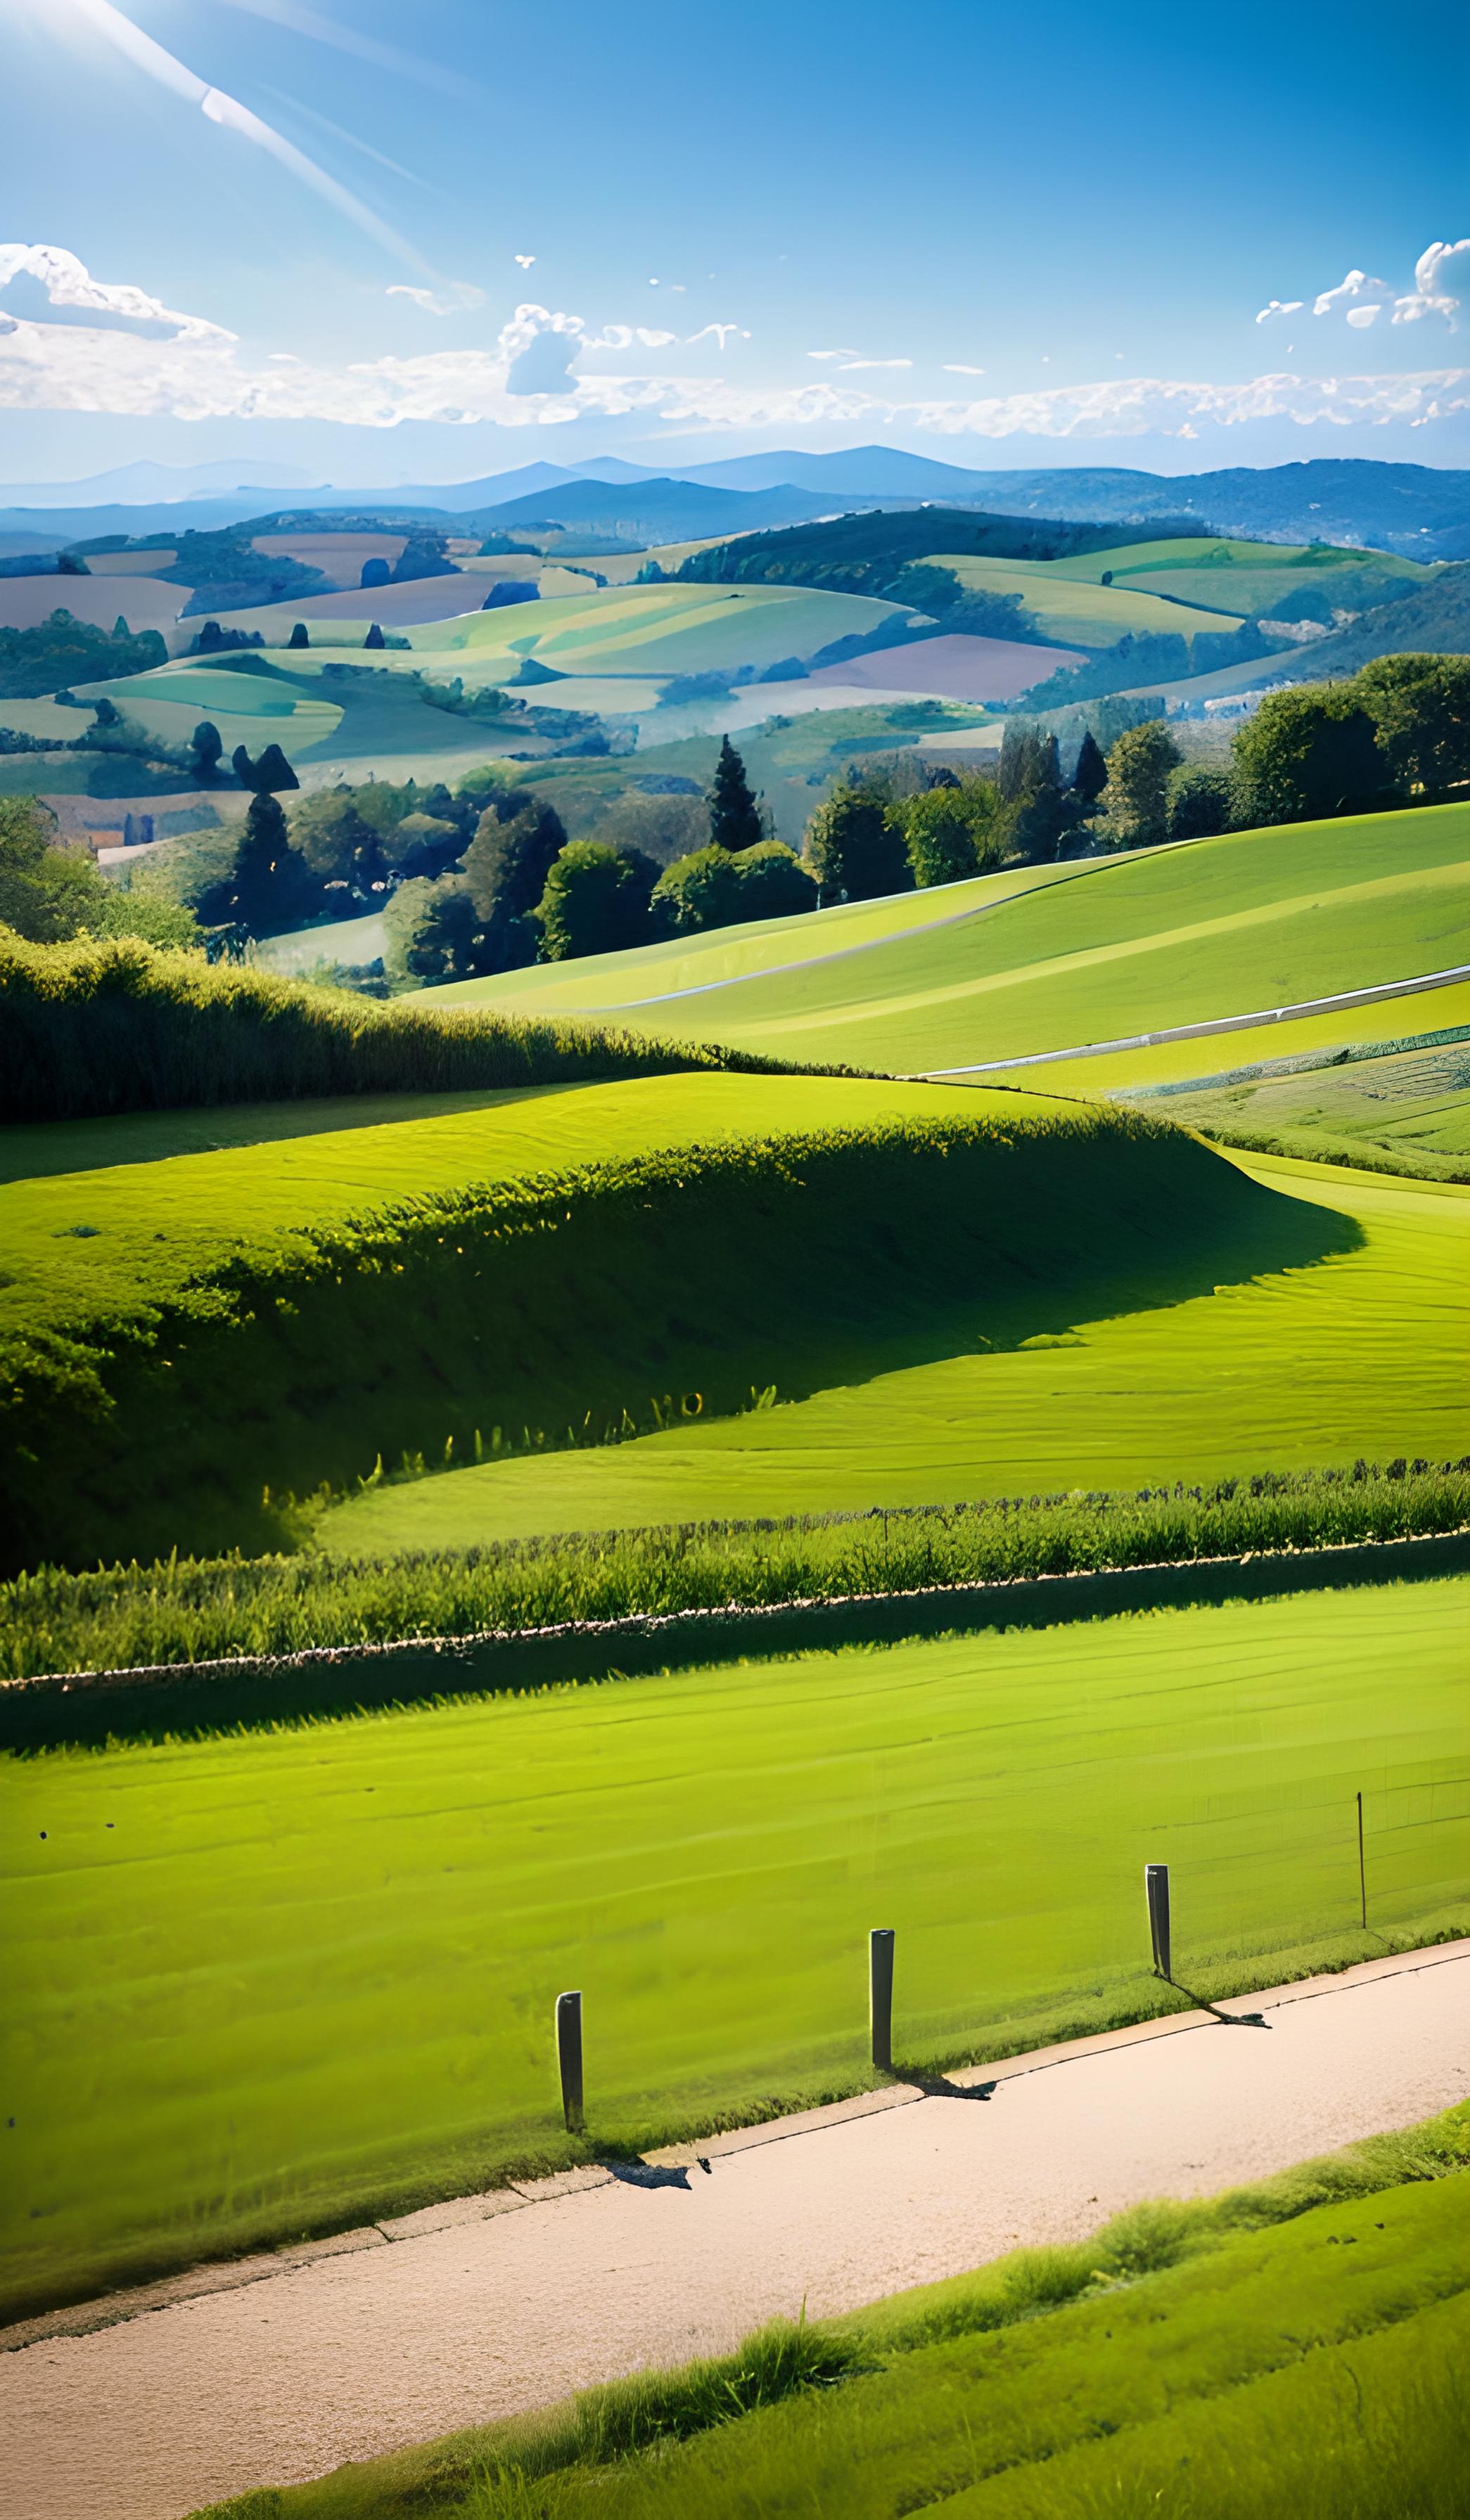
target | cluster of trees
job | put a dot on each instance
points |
(338, 854)
(62, 650)
(50, 894)
(1399, 733)
(522, 891)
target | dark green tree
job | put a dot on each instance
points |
(299, 636)
(721, 887)
(1420, 706)
(952, 830)
(434, 933)
(517, 843)
(1043, 810)
(1310, 753)
(204, 750)
(1091, 776)
(734, 815)
(595, 902)
(1135, 798)
(375, 638)
(271, 882)
(375, 572)
(271, 775)
(1200, 804)
(338, 845)
(850, 846)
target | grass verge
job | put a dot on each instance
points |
(1197, 2355)
(185, 1612)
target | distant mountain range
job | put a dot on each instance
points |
(1408, 508)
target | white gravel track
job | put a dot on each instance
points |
(514, 2299)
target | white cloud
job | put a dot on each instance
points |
(68, 283)
(721, 332)
(1442, 282)
(524, 260)
(851, 362)
(953, 368)
(533, 374)
(1355, 289)
(1441, 277)
(456, 296)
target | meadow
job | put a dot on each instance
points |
(1405, 1109)
(1220, 2336)
(1162, 937)
(173, 1377)
(1347, 1346)
(286, 1979)
(1232, 576)
(1077, 612)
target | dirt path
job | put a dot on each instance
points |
(512, 2302)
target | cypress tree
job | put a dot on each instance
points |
(1091, 776)
(375, 638)
(734, 815)
(299, 637)
(269, 873)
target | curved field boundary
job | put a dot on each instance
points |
(1218, 1024)
(90, 1707)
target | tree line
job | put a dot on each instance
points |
(484, 878)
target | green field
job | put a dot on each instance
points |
(184, 1334)
(1242, 578)
(1139, 944)
(1165, 1063)
(1357, 1351)
(1074, 612)
(611, 631)
(285, 1977)
(1409, 1110)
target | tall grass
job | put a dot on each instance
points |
(112, 1025)
(187, 1610)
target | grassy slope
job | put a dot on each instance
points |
(649, 973)
(1285, 1366)
(1164, 1062)
(254, 1985)
(175, 1363)
(1075, 612)
(201, 1204)
(655, 629)
(1164, 937)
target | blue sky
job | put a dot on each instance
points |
(287, 232)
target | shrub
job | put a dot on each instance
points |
(115, 1025)
(595, 902)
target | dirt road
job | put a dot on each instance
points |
(515, 2300)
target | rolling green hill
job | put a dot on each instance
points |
(550, 1272)
(1335, 1348)
(1077, 612)
(1249, 579)
(1124, 946)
